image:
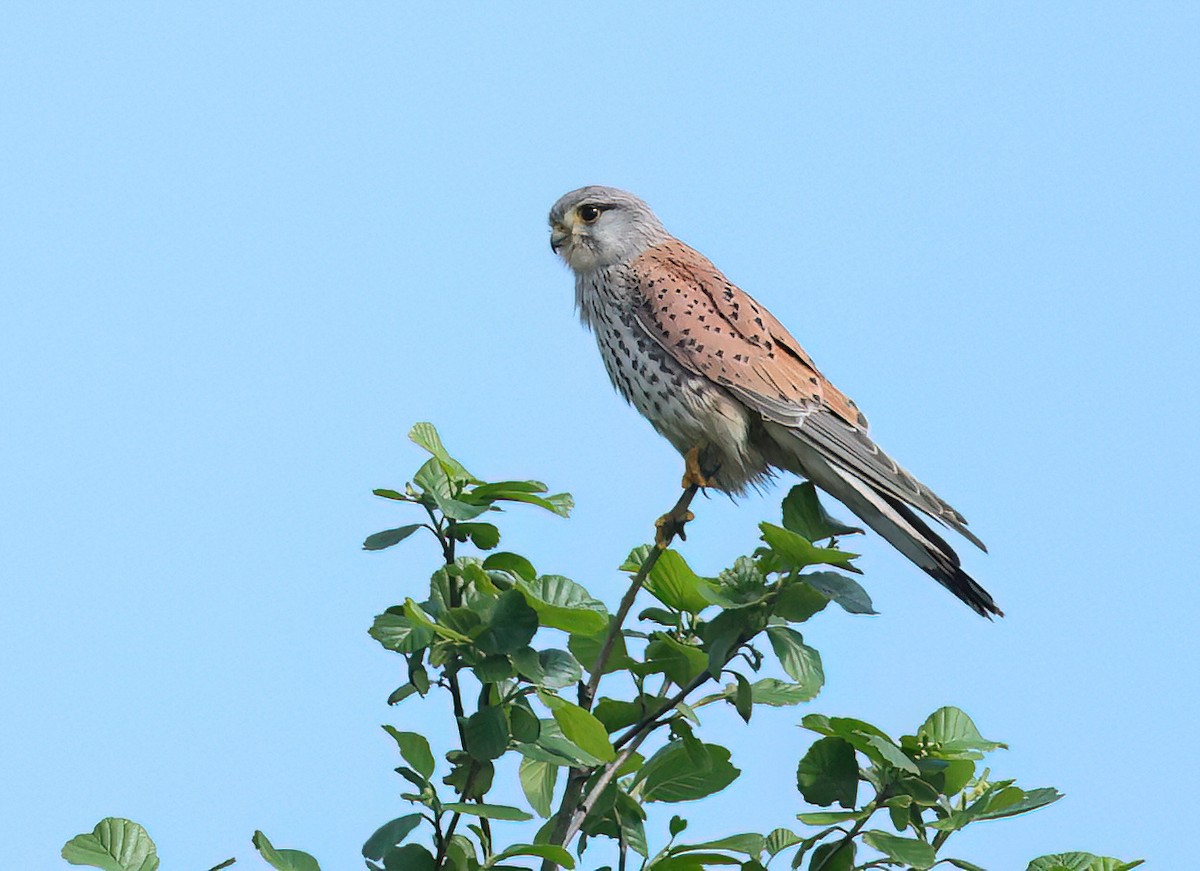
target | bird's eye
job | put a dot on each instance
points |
(589, 214)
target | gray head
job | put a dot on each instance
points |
(597, 226)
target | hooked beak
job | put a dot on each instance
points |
(558, 237)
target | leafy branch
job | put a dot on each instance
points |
(630, 738)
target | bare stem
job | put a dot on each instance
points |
(850, 835)
(567, 825)
(588, 693)
(650, 723)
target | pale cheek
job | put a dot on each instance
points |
(581, 258)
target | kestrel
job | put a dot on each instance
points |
(725, 383)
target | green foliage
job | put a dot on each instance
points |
(283, 860)
(678, 772)
(488, 635)
(114, 845)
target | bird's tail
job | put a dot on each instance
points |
(901, 527)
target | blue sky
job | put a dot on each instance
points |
(243, 249)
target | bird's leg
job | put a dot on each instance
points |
(692, 472)
(672, 523)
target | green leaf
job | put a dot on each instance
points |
(633, 763)
(523, 723)
(949, 733)
(460, 853)
(396, 632)
(586, 649)
(418, 677)
(617, 714)
(391, 494)
(631, 821)
(470, 777)
(997, 802)
(115, 844)
(549, 669)
(417, 616)
(833, 856)
(797, 601)
(494, 668)
(828, 773)
(580, 727)
(486, 734)
(434, 481)
(899, 808)
(415, 750)
(426, 436)
(462, 619)
(673, 583)
(537, 782)
(726, 632)
(401, 693)
(1080, 862)
(830, 818)
(389, 835)
(693, 862)
(510, 624)
(750, 844)
(524, 491)
(963, 864)
(498, 489)
(484, 536)
(661, 616)
(678, 824)
(779, 840)
(801, 662)
(478, 582)
(884, 751)
(678, 661)
(512, 563)
(410, 857)
(779, 694)
(864, 737)
(790, 551)
(283, 860)
(743, 699)
(561, 603)
(670, 775)
(553, 746)
(388, 537)
(804, 515)
(845, 591)
(488, 811)
(914, 853)
(1012, 801)
(542, 851)
(956, 775)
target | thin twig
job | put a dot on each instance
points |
(567, 826)
(649, 723)
(850, 835)
(588, 694)
(606, 776)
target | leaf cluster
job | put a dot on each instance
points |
(605, 714)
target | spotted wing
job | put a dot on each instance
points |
(713, 328)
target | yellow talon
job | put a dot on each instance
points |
(670, 525)
(692, 475)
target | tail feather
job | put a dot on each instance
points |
(898, 524)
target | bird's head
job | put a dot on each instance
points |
(595, 227)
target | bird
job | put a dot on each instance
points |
(729, 387)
